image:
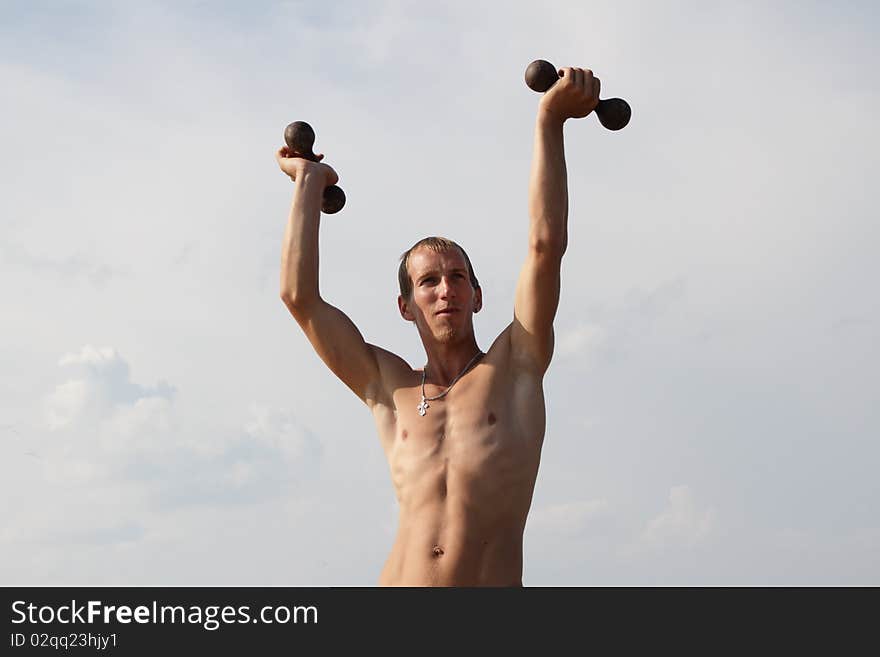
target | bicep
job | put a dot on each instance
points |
(537, 298)
(339, 343)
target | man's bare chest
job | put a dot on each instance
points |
(487, 427)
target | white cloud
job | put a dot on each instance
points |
(681, 524)
(97, 358)
(103, 427)
(582, 340)
(279, 429)
(568, 518)
(66, 404)
(102, 390)
(117, 457)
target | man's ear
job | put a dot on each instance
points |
(478, 299)
(403, 306)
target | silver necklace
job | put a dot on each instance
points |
(423, 406)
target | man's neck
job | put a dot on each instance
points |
(446, 361)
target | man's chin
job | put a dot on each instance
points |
(447, 335)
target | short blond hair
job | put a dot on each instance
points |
(438, 245)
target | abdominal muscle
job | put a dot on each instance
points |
(463, 509)
(439, 545)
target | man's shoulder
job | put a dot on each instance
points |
(394, 372)
(516, 362)
(388, 359)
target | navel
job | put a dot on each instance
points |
(404, 435)
(492, 418)
(437, 551)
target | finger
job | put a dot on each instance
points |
(597, 85)
(577, 75)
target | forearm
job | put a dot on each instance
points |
(299, 254)
(548, 187)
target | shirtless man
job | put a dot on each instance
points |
(463, 435)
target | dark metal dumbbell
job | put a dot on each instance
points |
(300, 138)
(613, 113)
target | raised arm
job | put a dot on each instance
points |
(334, 336)
(537, 292)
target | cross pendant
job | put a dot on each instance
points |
(423, 407)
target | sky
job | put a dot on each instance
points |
(713, 400)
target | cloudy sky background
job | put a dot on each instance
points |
(713, 402)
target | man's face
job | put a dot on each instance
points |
(443, 301)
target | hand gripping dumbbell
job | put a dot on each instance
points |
(613, 113)
(300, 138)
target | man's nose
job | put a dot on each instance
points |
(445, 287)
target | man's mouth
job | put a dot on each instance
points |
(447, 311)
